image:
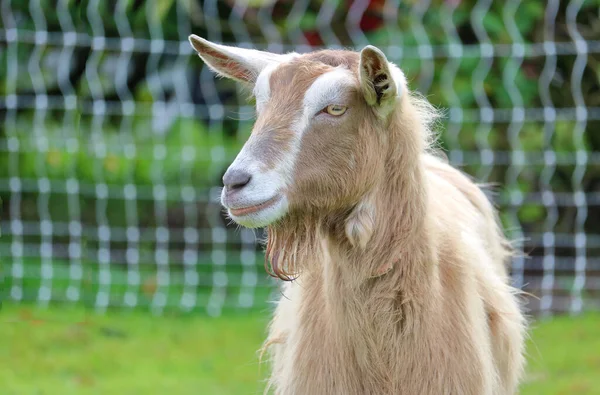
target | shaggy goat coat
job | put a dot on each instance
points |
(400, 283)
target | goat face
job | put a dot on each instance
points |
(319, 138)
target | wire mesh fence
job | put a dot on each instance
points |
(115, 136)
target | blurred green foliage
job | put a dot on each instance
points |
(182, 154)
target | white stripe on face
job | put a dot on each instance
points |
(262, 88)
(328, 88)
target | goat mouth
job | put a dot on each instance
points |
(242, 211)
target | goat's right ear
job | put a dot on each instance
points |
(240, 64)
(381, 81)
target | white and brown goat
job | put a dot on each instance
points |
(398, 263)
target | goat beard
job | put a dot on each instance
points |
(289, 246)
(295, 242)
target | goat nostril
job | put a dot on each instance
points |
(240, 185)
(236, 179)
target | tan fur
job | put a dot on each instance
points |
(401, 276)
(399, 265)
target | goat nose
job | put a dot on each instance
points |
(236, 179)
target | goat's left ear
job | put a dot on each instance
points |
(241, 64)
(380, 81)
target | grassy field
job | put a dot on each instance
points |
(75, 351)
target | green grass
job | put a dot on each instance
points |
(564, 356)
(67, 350)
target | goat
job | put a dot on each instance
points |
(398, 261)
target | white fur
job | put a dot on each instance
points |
(263, 217)
(328, 88)
(262, 88)
(399, 79)
(263, 186)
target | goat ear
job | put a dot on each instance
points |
(240, 64)
(377, 78)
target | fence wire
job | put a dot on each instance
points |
(115, 136)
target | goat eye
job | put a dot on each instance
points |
(335, 110)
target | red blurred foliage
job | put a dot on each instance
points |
(371, 19)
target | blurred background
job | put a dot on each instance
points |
(119, 272)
